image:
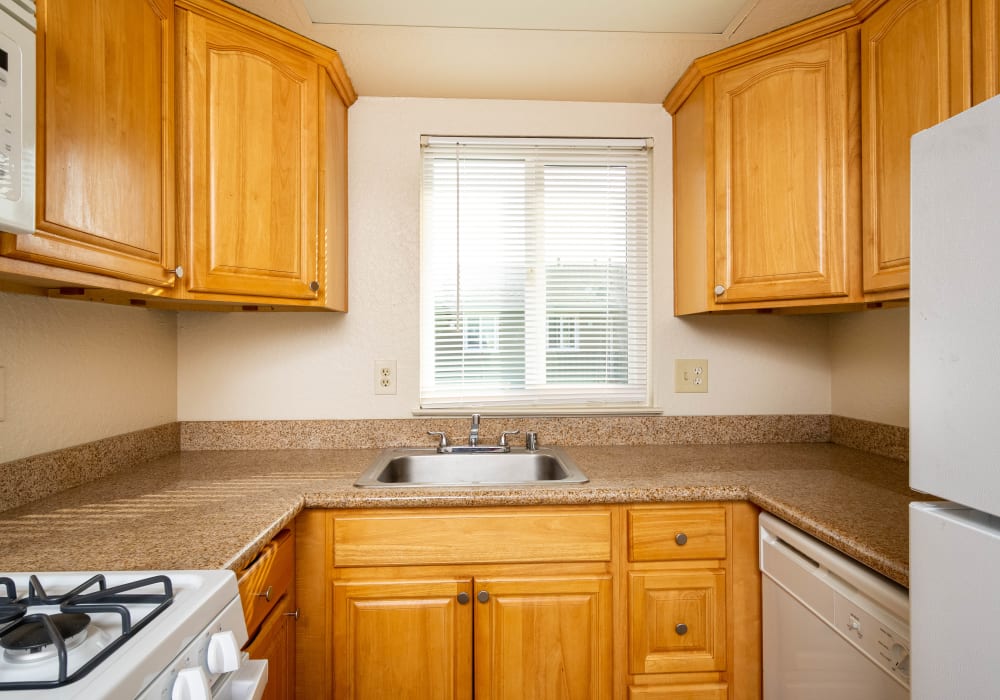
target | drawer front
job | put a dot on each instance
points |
(677, 621)
(659, 534)
(267, 579)
(699, 691)
(461, 538)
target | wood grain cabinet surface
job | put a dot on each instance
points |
(267, 592)
(105, 164)
(191, 155)
(596, 619)
(792, 152)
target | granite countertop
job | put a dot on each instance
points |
(216, 509)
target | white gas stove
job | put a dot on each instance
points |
(171, 635)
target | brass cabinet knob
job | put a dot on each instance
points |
(463, 598)
(293, 614)
(314, 286)
(266, 595)
(681, 628)
(681, 539)
(719, 290)
(483, 596)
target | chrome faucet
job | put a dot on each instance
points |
(474, 431)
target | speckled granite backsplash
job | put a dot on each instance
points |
(597, 430)
(32, 478)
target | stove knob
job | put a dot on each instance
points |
(223, 653)
(191, 684)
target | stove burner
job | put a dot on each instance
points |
(31, 636)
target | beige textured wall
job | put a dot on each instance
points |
(301, 366)
(870, 364)
(78, 371)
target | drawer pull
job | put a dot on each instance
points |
(681, 628)
(463, 598)
(293, 614)
(266, 595)
(483, 596)
(681, 539)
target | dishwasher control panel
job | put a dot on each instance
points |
(873, 633)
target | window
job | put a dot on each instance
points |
(534, 273)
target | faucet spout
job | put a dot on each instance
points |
(474, 431)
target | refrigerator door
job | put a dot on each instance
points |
(954, 606)
(955, 308)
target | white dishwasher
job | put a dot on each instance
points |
(833, 629)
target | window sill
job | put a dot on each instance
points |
(539, 411)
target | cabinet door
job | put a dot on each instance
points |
(249, 162)
(276, 643)
(677, 621)
(785, 132)
(985, 49)
(105, 179)
(402, 640)
(914, 73)
(543, 638)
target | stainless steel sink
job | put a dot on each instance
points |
(409, 466)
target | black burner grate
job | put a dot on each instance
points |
(92, 596)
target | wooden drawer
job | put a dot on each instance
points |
(696, 532)
(659, 602)
(698, 691)
(463, 538)
(267, 579)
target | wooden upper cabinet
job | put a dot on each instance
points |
(105, 180)
(250, 163)
(783, 172)
(916, 72)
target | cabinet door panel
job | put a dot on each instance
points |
(251, 147)
(915, 73)
(985, 49)
(402, 640)
(105, 180)
(659, 602)
(783, 136)
(276, 644)
(543, 638)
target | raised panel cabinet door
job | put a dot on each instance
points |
(677, 621)
(250, 159)
(915, 58)
(105, 162)
(543, 638)
(402, 639)
(785, 131)
(276, 643)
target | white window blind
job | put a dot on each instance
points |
(534, 273)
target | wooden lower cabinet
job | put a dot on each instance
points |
(409, 639)
(276, 643)
(498, 623)
(543, 638)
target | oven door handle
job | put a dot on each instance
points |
(246, 683)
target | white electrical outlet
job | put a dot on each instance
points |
(691, 376)
(385, 376)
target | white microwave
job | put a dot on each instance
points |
(17, 116)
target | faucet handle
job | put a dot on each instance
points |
(503, 437)
(443, 442)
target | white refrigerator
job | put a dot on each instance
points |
(955, 406)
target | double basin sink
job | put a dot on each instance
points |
(426, 467)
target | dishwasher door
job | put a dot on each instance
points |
(833, 629)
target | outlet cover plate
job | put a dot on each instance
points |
(691, 376)
(385, 376)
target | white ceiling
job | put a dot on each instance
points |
(571, 50)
